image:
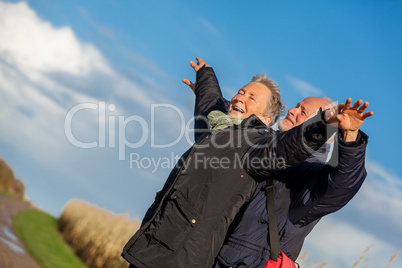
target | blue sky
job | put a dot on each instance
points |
(133, 55)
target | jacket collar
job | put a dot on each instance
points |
(252, 122)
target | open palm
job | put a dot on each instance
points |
(352, 117)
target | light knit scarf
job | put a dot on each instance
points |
(219, 120)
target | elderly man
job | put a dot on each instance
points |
(303, 194)
(187, 223)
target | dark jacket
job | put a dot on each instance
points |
(304, 194)
(187, 223)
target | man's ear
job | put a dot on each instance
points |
(266, 119)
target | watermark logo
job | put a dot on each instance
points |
(203, 162)
(107, 125)
(111, 133)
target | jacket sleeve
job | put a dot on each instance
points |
(208, 98)
(330, 188)
(277, 152)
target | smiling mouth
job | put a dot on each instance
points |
(237, 109)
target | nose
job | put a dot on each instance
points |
(240, 98)
(293, 112)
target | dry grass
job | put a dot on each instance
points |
(316, 264)
(96, 235)
(393, 258)
(361, 256)
(8, 183)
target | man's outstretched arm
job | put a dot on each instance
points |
(333, 187)
(208, 96)
(292, 147)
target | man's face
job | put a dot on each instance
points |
(251, 99)
(303, 111)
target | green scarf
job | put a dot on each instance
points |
(219, 120)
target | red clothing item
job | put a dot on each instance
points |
(282, 262)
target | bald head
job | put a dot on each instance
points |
(303, 111)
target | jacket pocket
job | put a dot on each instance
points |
(175, 221)
(239, 257)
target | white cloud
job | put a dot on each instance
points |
(136, 58)
(103, 30)
(31, 48)
(35, 45)
(143, 63)
(44, 72)
(387, 180)
(341, 244)
(305, 89)
(372, 218)
(380, 200)
(211, 28)
(229, 92)
(380, 205)
(36, 49)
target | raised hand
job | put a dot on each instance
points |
(196, 67)
(349, 118)
(199, 64)
(352, 117)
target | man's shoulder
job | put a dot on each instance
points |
(255, 122)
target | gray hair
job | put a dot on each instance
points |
(274, 108)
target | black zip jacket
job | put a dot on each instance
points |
(187, 223)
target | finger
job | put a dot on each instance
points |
(189, 83)
(201, 62)
(347, 103)
(368, 114)
(357, 104)
(193, 64)
(363, 107)
(340, 108)
(186, 81)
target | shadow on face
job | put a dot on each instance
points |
(303, 111)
